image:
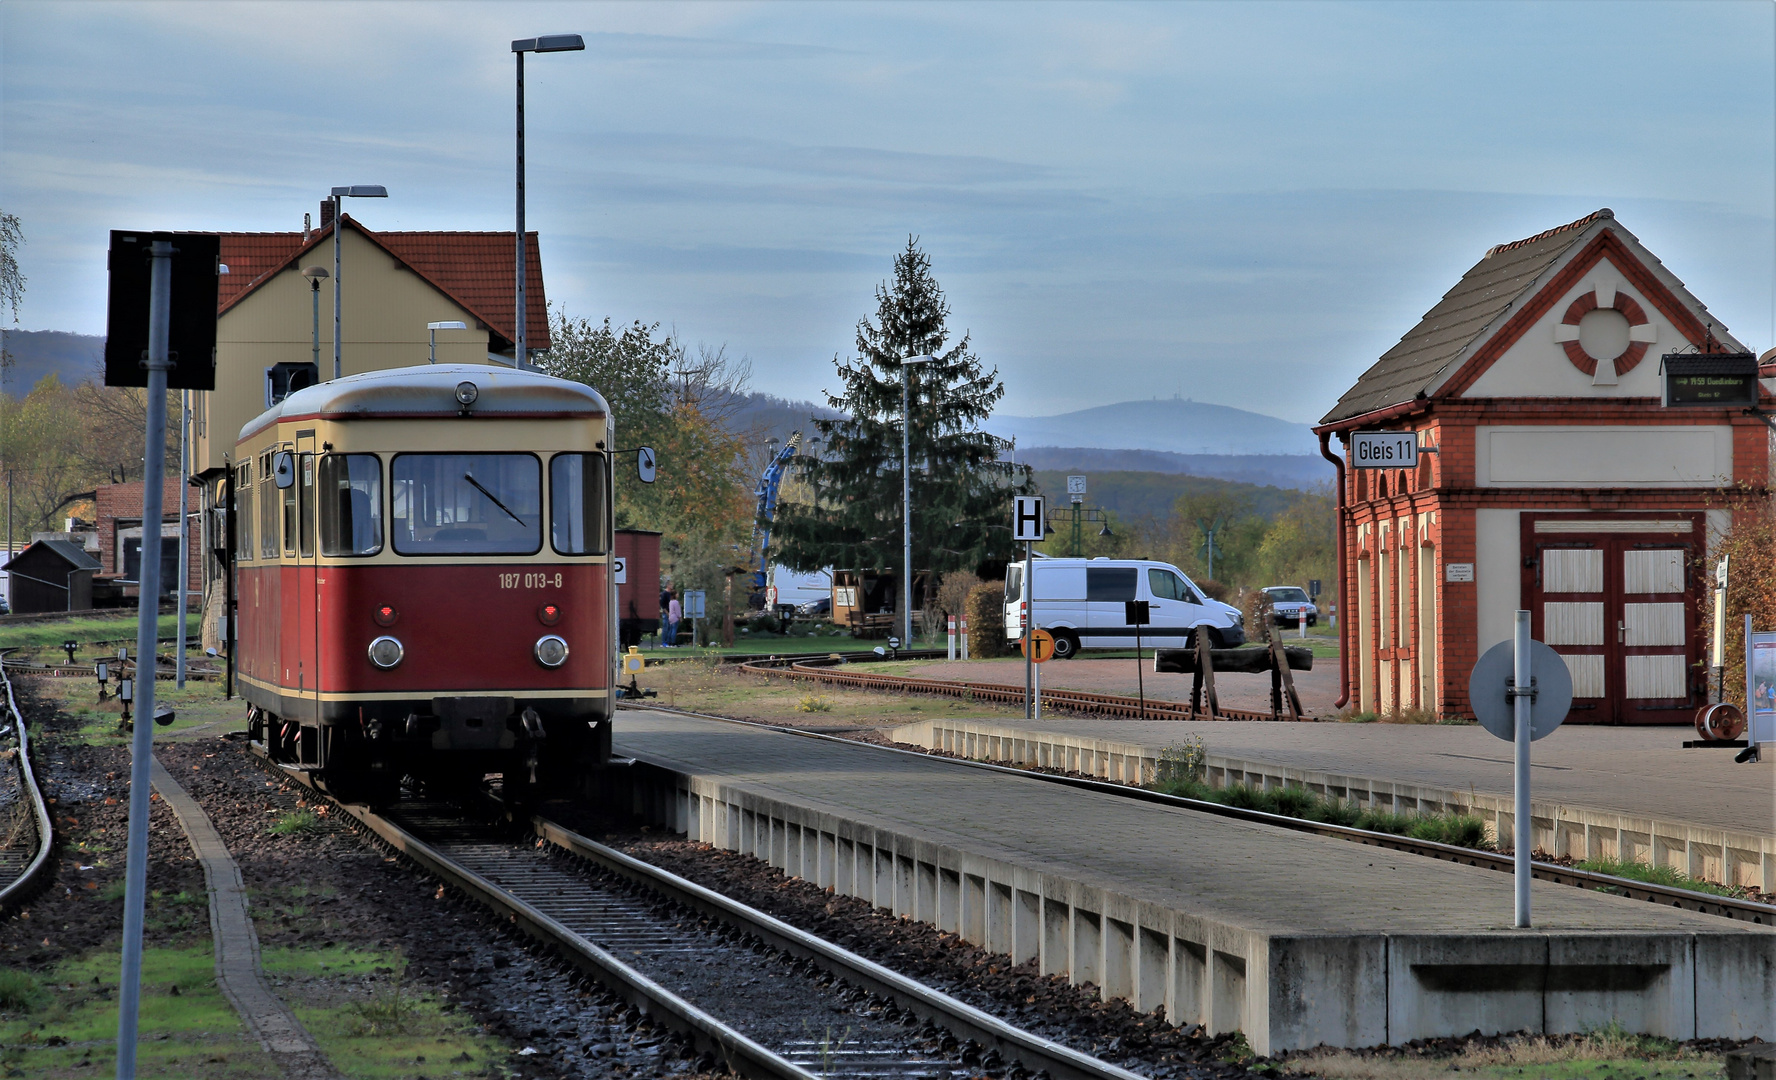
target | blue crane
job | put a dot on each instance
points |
(769, 481)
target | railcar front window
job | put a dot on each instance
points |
(577, 504)
(351, 505)
(466, 504)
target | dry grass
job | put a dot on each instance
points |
(1607, 1052)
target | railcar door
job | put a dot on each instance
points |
(307, 578)
(1619, 598)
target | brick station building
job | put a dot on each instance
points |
(1559, 483)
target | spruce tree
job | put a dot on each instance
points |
(961, 491)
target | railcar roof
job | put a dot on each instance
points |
(430, 390)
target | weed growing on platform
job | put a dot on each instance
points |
(1462, 830)
(1655, 875)
(813, 703)
(1186, 761)
(1607, 1053)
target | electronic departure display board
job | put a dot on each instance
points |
(1710, 380)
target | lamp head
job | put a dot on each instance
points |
(361, 191)
(316, 274)
(550, 43)
(452, 325)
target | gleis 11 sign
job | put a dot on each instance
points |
(1384, 449)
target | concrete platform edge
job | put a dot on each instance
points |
(1283, 991)
(1711, 854)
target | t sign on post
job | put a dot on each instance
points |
(1026, 525)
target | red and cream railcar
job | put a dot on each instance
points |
(423, 577)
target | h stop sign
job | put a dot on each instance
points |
(1488, 690)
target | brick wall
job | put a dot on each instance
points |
(124, 501)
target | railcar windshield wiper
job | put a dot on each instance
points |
(494, 499)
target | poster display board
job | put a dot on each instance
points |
(1760, 686)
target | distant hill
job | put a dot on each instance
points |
(74, 358)
(1300, 471)
(1152, 494)
(1172, 425)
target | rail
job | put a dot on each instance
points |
(707, 1033)
(1077, 701)
(20, 886)
(1688, 899)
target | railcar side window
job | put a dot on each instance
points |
(243, 512)
(289, 494)
(577, 504)
(306, 515)
(466, 504)
(350, 493)
(268, 511)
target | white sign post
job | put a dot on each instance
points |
(1521, 690)
(1027, 520)
(620, 571)
(693, 610)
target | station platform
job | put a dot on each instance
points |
(1295, 940)
(1613, 792)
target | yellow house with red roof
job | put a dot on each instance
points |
(393, 285)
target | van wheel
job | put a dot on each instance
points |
(1066, 645)
(1215, 641)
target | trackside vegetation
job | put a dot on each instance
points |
(1462, 830)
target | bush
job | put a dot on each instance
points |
(1259, 617)
(1214, 590)
(18, 990)
(986, 621)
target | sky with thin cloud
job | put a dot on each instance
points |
(1238, 203)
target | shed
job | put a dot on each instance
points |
(638, 594)
(51, 575)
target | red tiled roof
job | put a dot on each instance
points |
(472, 268)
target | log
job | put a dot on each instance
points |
(1251, 661)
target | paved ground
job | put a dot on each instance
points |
(1318, 688)
(1641, 771)
(1240, 873)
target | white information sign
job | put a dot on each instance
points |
(693, 604)
(1384, 449)
(1458, 571)
(1027, 517)
(620, 571)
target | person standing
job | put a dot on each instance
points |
(674, 613)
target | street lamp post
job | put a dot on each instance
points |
(906, 494)
(545, 44)
(353, 191)
(432, 328)
(316, 275)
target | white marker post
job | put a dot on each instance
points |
(1026, 525)
(1522, 694)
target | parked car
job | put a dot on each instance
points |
(1289, 605)
(1080, 602)
(815, 609)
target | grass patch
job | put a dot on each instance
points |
(776, 700)
(371, 1022)
(1608, 1053)
(18, 990)
(91, 629)
(298, 822)
(1655, 875)
(99, 723)
(188, 1028)
(1462, 830)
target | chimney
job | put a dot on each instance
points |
(326, 212)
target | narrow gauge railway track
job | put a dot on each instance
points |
(640, 931)
(1079, 701)
(21, 864)
(1724, 906)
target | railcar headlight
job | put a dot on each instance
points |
(386, 652)
(466, 393)
(551, 651)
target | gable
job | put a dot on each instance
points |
(1595, 328)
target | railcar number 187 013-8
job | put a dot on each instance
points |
(530, 581)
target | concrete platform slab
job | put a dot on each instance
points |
(1295, 940)
(1626, 793)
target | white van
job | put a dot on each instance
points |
(1080, 602)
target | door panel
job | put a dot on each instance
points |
(308, 627)
(1615, 595)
